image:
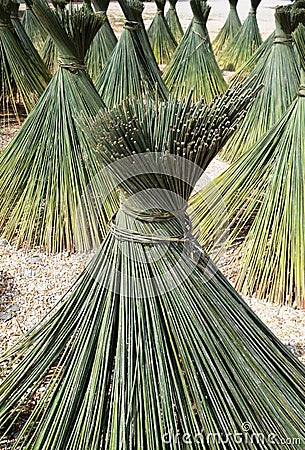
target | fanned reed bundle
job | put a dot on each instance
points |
(131, 14)
(173, 21)
(280, 76)
(49, 55)
(263, 50)
(261, 198)
(229, 30)
(103, 43)
(245, 42)
(131, 69)
(49, 52)
(193, 65)
(27, 44)
(160, 36)
(153, 348)
(21, 81)
(34, 29)
(45, 170)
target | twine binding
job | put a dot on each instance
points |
(73, 66)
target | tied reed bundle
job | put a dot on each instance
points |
(229, 30)
(193, 65)
(245, 42)
(160, 36)
(153, 343)
(103, 44)
(49, 51)
(264, 197)
(173, 21)
(22, 81)
(131, 69)
(45, 170)
(87, 6)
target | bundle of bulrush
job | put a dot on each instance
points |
(229, 30)
(49, 51)
(173, 21)
(49, 55)
(21, 80)
(34, 29)
(245, 42)
(103, 44)
(160, 36)
(261, 198)
(131, 69)
(153, 348)
(262, 53)
(45, 170)
(27, 43)
(280, 76)
(193, 65)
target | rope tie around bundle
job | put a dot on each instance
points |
(132, 26)
(283, 39)
(71, 63)
(252, 12)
